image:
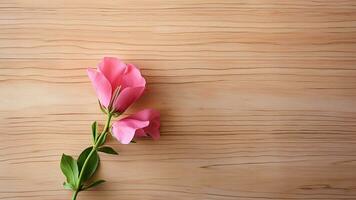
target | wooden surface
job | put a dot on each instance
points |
(258, 98)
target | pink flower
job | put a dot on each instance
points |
(117, 85)
(143, 123)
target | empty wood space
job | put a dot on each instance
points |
(258, 97)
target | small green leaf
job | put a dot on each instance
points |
(70, 170)
(68, 186)
(108, 150)
(92, 164)
(95, 183)
(94, 131)
(102, 139)
(133, 141)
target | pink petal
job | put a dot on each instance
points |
(133, 77)
(127, 97)
(140, 133)
(153, 130)
(101, 86)
(124, 129)
(113, 69)
(153, 117)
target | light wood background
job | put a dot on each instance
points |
(258, 97)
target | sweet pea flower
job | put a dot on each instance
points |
(141, 124)
(117, 85)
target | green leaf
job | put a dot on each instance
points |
(92, 163)
(82, 157)
(68, 186)
(133, 141)
(102, 139)
(95, 183)
(94, 131)
(108, 150)
(70, 170)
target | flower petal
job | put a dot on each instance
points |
(132, 77)
(127, 97)
(101, 85)
(113, 69)
(140, 133)
(153, 117)
(153, 130)
(124, 129)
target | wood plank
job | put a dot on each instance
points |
(258, 98)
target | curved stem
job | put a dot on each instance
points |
(95, 146)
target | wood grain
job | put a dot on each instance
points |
(258, 98)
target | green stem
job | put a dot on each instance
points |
(75, 194)
(95, 146)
